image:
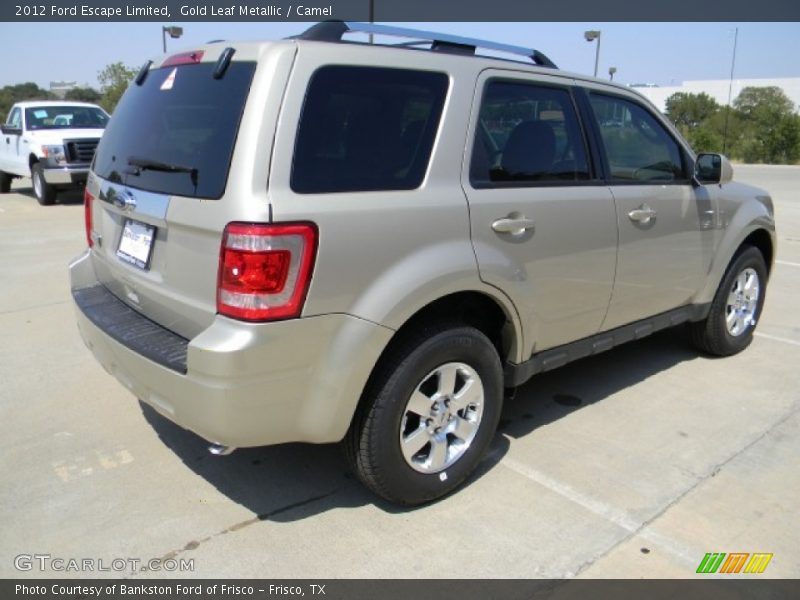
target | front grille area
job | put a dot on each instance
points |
(80, 151)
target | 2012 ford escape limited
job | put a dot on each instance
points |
(310, 240)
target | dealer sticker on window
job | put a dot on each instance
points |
(136, 243)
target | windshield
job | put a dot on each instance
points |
(66, 116)
(174, 133)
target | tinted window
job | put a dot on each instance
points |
(189, 123)
(365, 128)
(527, 133)
(638, 147)
(66, 116)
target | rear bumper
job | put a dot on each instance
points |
(244, 384)
(66, 175)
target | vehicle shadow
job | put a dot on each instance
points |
(558, 393)
(68, 196)
(291, 482)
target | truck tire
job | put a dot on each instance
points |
(44, 192)
(428, 414)
(736, 307)
(5, 182)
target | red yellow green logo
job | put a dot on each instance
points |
(734, 562)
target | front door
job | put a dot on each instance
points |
(665, 223)
(9, 152)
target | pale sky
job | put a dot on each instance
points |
(661, 53)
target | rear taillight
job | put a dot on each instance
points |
(265, 270)
(87, 216)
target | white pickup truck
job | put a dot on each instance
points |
(51, 142)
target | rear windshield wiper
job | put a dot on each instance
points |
(145, 164)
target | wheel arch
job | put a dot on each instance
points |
(475, 308)
(759, 233)
(761, 239)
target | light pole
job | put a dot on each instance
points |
(371, 19)
(590, 36)
(730, 92)
(611, 71)
(173, 31)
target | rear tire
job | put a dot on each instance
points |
(44, 192)
(736, 307)
(428, 415)
(5, 182)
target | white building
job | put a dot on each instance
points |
(60, 88)
(718, 89)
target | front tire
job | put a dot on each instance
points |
(428, 415)
(44, 192)
(736, 307)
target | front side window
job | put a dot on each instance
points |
(527, 134)
(638, 147)
(15, 118)
(367, 129)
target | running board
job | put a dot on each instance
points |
(547, 360)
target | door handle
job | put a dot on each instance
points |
(513, 225)
(642, 214)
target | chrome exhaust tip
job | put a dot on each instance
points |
(220, 450)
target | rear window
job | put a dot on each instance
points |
(367, 129)
(179, 128)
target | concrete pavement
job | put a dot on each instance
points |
(634, 463)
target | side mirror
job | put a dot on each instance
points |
(11, 130)
(712, 168)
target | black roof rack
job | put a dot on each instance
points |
(332, 31)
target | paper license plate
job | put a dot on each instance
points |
(136, 243)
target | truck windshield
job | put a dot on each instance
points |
(65, 117)
(177, 116)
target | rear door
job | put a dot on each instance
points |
(543, 223)
(665, 223)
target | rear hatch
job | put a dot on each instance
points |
(157, 186)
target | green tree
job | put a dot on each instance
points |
(705, 139)
(114, 80)
(695, 116)
(11, 94)
(690, 110)
(760, 103)
(83, 94)
(770, 125)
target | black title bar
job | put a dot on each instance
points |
(399, 10)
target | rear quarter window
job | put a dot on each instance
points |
(367, 129)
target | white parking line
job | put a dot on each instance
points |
(787, 263)
(601, 509)
(777, 339)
